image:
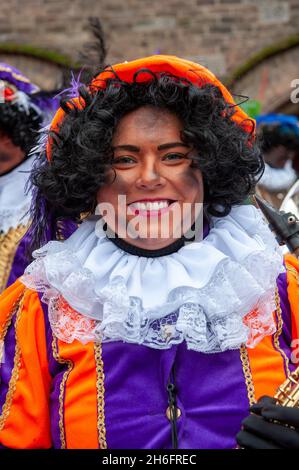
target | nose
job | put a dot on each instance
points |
(150, 176)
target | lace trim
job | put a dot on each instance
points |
(235, 306)
(222, 325)
(12, 217)
(14, 200)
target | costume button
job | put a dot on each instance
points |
(169, 413)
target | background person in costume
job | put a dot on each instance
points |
(280, 145)
(22, 126)
(20, 120)
(149, 343)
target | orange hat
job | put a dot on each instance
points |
(195, 73)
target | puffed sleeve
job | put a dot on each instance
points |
(24, 372)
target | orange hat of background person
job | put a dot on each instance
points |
(195, 73)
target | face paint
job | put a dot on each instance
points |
(10, 154)
(153, 171)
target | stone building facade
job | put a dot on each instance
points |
(222, 34)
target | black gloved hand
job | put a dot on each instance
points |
(270, 426)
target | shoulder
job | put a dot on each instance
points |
(18, 300)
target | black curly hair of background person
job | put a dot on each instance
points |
(228, 156)
(21, 127)
(276, 135)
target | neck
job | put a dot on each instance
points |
(173, 247)
(137, 251)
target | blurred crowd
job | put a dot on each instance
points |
(279, 139)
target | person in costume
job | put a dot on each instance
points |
(21, 116)
(24, 111)
(279, 134)
(112, 340)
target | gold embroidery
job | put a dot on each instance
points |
(19, 77)
(294, 271)
(17, 309)
(279, 331)
(247, 374)
(100, 396)
(8, 246)
(59, 230)
(245, 358)
(61, 389)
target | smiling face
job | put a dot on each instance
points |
(152, 168)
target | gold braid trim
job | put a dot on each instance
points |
(60, 227)
(294, 271)
(69, 363)
(8, 322)
(245, 358)
(19, 77)
(17, 309)
(247, 374)
(8, 246)
(279, 331)
(100, 396)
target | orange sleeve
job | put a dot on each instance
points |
(292, 265)
(25, 379)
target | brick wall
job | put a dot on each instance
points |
(219, 33)
(271, 82)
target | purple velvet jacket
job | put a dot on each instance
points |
(212, 394)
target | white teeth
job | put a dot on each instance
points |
(149, 206)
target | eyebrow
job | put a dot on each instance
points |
(171, 145)
(130, 148)
(133, 148)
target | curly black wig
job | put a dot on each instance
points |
(19, 125)
(228, 157)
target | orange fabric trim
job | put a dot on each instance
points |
(80, 404)
(195, 73)
(7, 300)
(267, 379)
(28, 423)
(267, 384)
(292, 265)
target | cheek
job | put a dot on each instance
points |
(110, 191)
(191, 184)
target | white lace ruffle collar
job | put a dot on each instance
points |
(14, 203)
(215, 294)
